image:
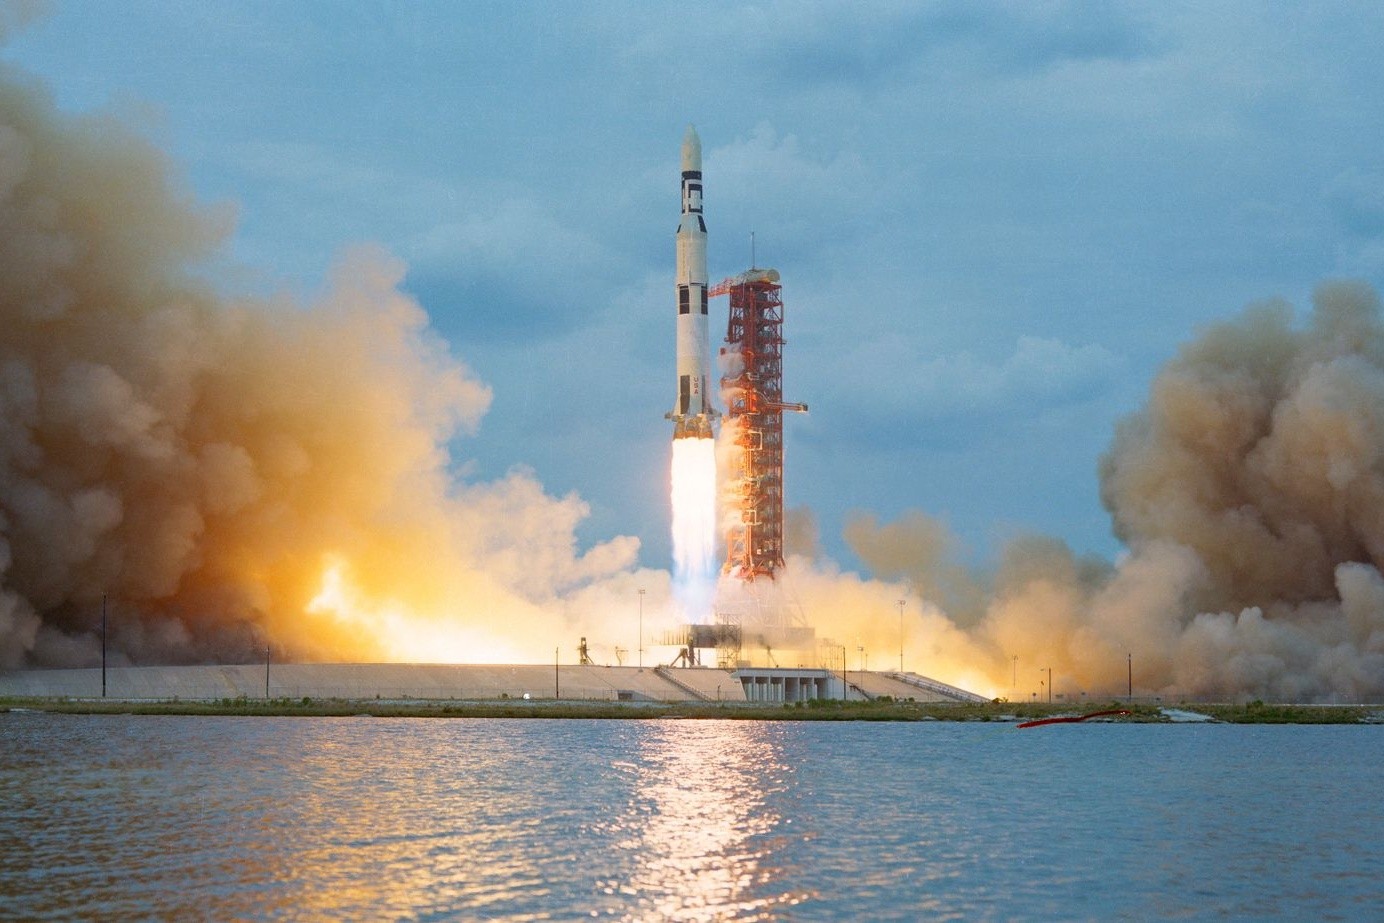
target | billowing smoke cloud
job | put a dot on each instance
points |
(1250, 493)
(235, 471)
(231, 472)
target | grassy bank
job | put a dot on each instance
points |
(1252, 713)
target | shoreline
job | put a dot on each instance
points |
(996, 712)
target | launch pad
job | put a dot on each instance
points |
(735, 644)
(534, 684)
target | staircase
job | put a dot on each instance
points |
(692, 694)
(937, 687)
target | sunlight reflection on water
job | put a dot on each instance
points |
(367, 818)
(352, 818)
(705, 839)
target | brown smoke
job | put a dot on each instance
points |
(1250, 493)
(231, 471)
(212, 464)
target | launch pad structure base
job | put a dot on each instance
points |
(467, 682)
(736, 644)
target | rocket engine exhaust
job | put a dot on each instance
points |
(235, 472)
(694, 527)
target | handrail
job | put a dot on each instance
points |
(939, 687)
(667, 674)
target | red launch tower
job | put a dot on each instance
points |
(753, 388)
(752, 614)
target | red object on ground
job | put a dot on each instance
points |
(1073, 718)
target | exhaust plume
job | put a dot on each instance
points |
(694, 527)
(232, 472)
(235, 472)
(1259, 466)
(1250, 494)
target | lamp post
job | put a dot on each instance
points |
(1049, 669)
(901, 635)
(641, 628)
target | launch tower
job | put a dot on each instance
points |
(754, 611)
(753, 388)
(750, 611)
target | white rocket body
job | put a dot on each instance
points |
(692, 413)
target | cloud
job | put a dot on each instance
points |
(773, 185)
(512, 269)
(1357, 198)
(879, 44)
(18, 15)
(892, 384)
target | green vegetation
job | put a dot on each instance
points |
(1257, 712)
(820, 710)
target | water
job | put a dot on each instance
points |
(371, 818)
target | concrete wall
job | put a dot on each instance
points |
(368, 681)
(457, 681)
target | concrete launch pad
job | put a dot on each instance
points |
(474, 682)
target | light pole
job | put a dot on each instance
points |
(1014, 682)
(1049, 669)
(641, 628)
(844, 680)
(901, 636)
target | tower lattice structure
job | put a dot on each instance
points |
(754, 418)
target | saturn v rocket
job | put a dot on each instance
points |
(692, 414)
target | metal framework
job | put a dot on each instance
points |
(754, 415)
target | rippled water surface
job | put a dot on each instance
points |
(372, 818)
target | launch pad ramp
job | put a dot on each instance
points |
(693, 693)
(938, 687)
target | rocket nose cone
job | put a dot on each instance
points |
(691, 150)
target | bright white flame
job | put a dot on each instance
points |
(694, 527)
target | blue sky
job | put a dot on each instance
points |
(994, 222)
